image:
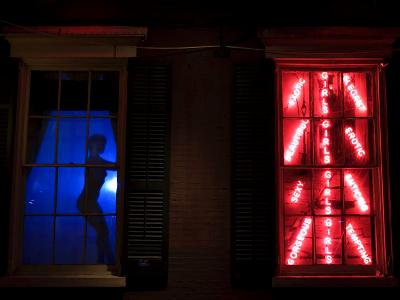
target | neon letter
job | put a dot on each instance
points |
(295, 140)
(356, 192)
(354, 93)
(299, 241)
(296, 92)
(357, 242)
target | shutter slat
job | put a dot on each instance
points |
(147, 177)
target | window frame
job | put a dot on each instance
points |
(382, 245)
(17, 208)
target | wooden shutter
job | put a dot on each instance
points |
(8, 90)
(253, 178)
(147, 177)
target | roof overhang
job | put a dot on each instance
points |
(329, 42)
(74, 41)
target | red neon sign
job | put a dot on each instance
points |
(353, 139)
(356, 192)
(297, 192)
(354, 93)
(360, 247)
(328, 222)
(328, 241)
(326, 142)
(295, 140)
(299, 241)
(324, 93)
(296, 92)
(327, 192)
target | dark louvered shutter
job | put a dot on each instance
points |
(253, 240)
(8, 90)
(147, 177)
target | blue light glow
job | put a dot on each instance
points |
(41, 181)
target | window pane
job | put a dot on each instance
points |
(43, 93)
(358, 241)
(102, 146)
(328, 142)
(297, 191)
(357, 191)
(101, 240)
(72, 140)
(328, 240)
(327, 188)
(107, 198)
(359, 141)
(296, 141)
(69, 240)
(74, 91)
(358, 98)
(327, 100)
(70, 189)
(328, 168)
(38, 240)
(39, 191)
(101, 188)
(295, 94)
(298, 240)
(41, 141)
(104, 92)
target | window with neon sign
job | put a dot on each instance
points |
(329, 167)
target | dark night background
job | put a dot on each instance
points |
(202, 22)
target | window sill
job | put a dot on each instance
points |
(63, 281)
(334, 281)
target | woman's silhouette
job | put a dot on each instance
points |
(94, 181)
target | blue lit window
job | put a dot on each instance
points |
(71, 173)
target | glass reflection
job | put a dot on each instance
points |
(39, 192)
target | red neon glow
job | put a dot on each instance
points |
(327, 192)
(325, 144)
(324, 94)
(356, 192)
(353, 139)
(295, 140)
(299, 241)
(297, 192)
(328, 222)
(360, 247)
(296, 92)
(328, 241)
(359, 103)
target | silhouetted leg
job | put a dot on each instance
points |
(104, 250)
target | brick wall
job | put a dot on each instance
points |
(199, 233)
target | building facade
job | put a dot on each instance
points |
(210, 162)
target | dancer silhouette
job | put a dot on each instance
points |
(94, 181)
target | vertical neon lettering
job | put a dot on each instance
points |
(324, 94)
